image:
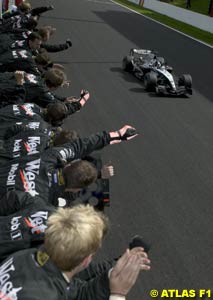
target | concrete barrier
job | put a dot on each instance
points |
(184, 15)
(0, 9)
(135, 1)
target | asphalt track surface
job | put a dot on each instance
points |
(163, 184)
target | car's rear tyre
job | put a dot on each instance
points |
(127, 64)
(150, 81)
(185, 80)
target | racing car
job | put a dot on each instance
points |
(156, 74)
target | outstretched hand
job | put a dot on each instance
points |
(126, 133)
(69, 43)
(107, 171)
(85, 95)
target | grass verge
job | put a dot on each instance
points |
(199, 6)
(197, 33)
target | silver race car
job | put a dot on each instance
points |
(156, 74)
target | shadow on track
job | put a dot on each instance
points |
(183, 53)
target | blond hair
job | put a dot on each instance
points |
(24, 6)
(73, 234)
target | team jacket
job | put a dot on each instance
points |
(10, 129)
(15, 23)
(34, 90)
(21, 60)
(30, 274)
(33, 12)
(26, 142)
(20, 112)
(37, 92)
(30, 112)
(10, 91)
(24, 229)
(15, 45)
(38, 175)
(8, 39)
(9, 45)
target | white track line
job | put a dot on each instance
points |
(100, 2)
(201, 42)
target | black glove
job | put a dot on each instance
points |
(84, 93)
(129, 132)
(138, 241)
(69, 43)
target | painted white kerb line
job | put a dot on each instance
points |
(100, 2)
(201, 42)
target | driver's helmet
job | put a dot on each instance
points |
(158, 64)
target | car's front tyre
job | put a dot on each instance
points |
(186, 81)
(127, 64)
(150, 81)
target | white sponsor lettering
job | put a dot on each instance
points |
(30, 146)
(15, 54)
(16, 110)
(12, 174)
(33, 125)
(19, 53)
(37, 221)
(15, 232)
(33, 142)
(7, 291)
(30, 172)
(16, 148)
(15, 223)
(27, 108)
(67, 153)
(23, 53)
(31, 78)
(17, 44)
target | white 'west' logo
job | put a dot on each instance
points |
(7, 291)
(31, 78)
(27, 108)
(28, 176)
(18, 44)
(36, 222)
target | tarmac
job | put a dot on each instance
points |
(162, 188)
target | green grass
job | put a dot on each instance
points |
(199, 6)
(197, 33)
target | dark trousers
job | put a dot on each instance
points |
(188, 3)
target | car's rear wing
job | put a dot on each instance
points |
(141, 52)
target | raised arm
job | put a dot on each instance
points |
(84, 146)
